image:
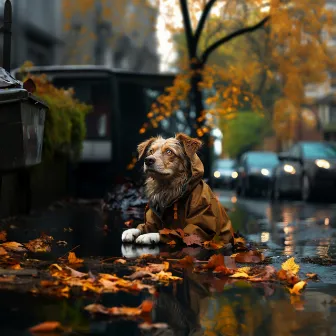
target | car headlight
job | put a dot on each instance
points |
(289, 169)
(234, 174)
(217, 174)
(322, 164)
(265, 172)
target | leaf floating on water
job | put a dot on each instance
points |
(298, 287)
(291, 265)
(244, 270)
(215, 261)
(239, 275)
(312, 276)
(249, 257)
(46, 327)
(72, 259)
(223, 270)
(14, 247)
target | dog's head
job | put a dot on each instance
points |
(167, 158)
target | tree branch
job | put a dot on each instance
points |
(201, 22)
(231, 36)
(188, 29)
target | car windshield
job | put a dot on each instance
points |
(319, 150)
(225, 164)
(262, 159)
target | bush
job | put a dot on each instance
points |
(65, 128)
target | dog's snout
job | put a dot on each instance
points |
(149, 161)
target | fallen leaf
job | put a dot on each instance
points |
(2, 251)
(62, 243)
(291, 265)
(186, 261)
(46, 327)
(139, 275)
(211, 245)
(72, 259)
(168, 232)
(14, 247)
(42, 244)
(146, 306)
(3, 236)
(312, 276)
(120, 261)
(129, 223)
(215, 261)
(239, 275)
(192, 239)
(298, 287)
(263, 274)
(223, 270)
(154, 268)
(149, 326)
(172, 243)
(15, 267)
(249, 257)
(244, 269)
(239, 244)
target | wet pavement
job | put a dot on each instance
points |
(200, 305)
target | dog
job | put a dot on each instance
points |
(178, 196)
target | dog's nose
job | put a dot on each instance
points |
(149, 161)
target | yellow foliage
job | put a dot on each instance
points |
(291, 265)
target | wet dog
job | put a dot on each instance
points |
(178, 197)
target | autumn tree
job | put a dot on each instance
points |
(297, 55)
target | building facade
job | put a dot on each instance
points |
(116, 34)
(36, 31)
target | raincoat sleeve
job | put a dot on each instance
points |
(152, 222)
(206, 217)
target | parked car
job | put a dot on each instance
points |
(224, 173)
(254, 172)
(305, 170)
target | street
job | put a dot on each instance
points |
(200, 303)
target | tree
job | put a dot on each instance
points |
(296, 55)
(244, 132)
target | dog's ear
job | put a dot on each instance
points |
(190, 145)
(143, 146)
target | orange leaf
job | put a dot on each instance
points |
(15, 267)
(72, 259)
(129, 223)
(2, 251)
(298, 287)
(215, 261)
(46, 327)
(3, 236)
(249, 257)
(186, 261)
(13, 246)
(192, 239)
(223, 270)
(172, 243)
(146, 306)
(211, 245)
(120, 261)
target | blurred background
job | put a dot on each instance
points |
(244, 76)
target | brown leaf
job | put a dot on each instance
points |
(312, 276)
(138, 275)
(186, 261)
(3, 236)
(211, 245)
(46, 327)
(14, 247)
(192, 239)
(41, 244)
(146, 306)
(223, 270)
(172, 243)
(249, 257)
(288, 276)
(240, 244)
(15, 267)
(72, 259)
(154, 268)
(168, 232)
(215, 261)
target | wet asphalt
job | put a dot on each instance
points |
(199, 306)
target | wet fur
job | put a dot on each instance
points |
(162, 190)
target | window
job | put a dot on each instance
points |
(332, 113)
(319, 150)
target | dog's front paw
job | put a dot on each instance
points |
(148, 239)
(130, 235)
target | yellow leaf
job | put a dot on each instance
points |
(239, 275)
(296, 290)
(244, 270)
(72, 259)
(291, 265)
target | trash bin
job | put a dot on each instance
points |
(22, 118)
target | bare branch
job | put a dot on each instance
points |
(231, 36)
(188, 28)
(201, 22)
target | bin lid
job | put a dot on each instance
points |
(12, 95)
(8, 81)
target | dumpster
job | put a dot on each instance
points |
(22, 118)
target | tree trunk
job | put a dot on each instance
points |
(196, 100)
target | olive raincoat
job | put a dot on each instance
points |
(196, 211)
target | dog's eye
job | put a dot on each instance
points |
(151, 152)
(169, 152)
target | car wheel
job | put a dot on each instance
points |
(306, 189)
